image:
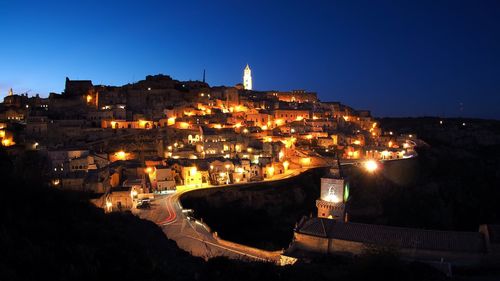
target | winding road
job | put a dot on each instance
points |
(196, 237)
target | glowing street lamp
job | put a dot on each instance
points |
(121, 155)
(193, 171)
(285, 165)
(7, 142)
(281, 155)
(227, 173)
(133, 193)
(370, 165)
(270, 171)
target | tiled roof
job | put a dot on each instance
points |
(394, 236)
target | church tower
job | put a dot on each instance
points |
(247, 78)
(334, 194)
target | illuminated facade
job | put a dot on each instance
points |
(334, 194)
(247, 78)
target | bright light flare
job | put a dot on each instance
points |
(133, 193)
(370, 165)
(121, 155)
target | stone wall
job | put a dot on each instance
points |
(325, 245)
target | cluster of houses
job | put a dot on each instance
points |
(159, 133)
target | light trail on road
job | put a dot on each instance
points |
(172, 215)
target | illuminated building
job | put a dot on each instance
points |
(247, 78)
(290, 115)
(334, 194)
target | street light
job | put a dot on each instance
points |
(285, 165)
(109, 206)
(121, 155)
(133, 193)
(227, 172)
(370, 165)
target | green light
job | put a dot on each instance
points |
(346, 192)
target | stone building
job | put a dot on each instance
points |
(328, 236)
(298, 96)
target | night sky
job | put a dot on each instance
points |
(396, 58)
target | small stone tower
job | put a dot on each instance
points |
(247, 78)
(334, 194)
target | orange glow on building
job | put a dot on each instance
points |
(239, 108)
(286, 164)
(270, 171)
(305, 161)
(289, 142)
(143, 123)
(183, 125)
(121, 155)
(8, 142)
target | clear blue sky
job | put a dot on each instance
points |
(396, 58)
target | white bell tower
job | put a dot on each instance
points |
(247, 78)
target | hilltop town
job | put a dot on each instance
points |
(160, 134)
